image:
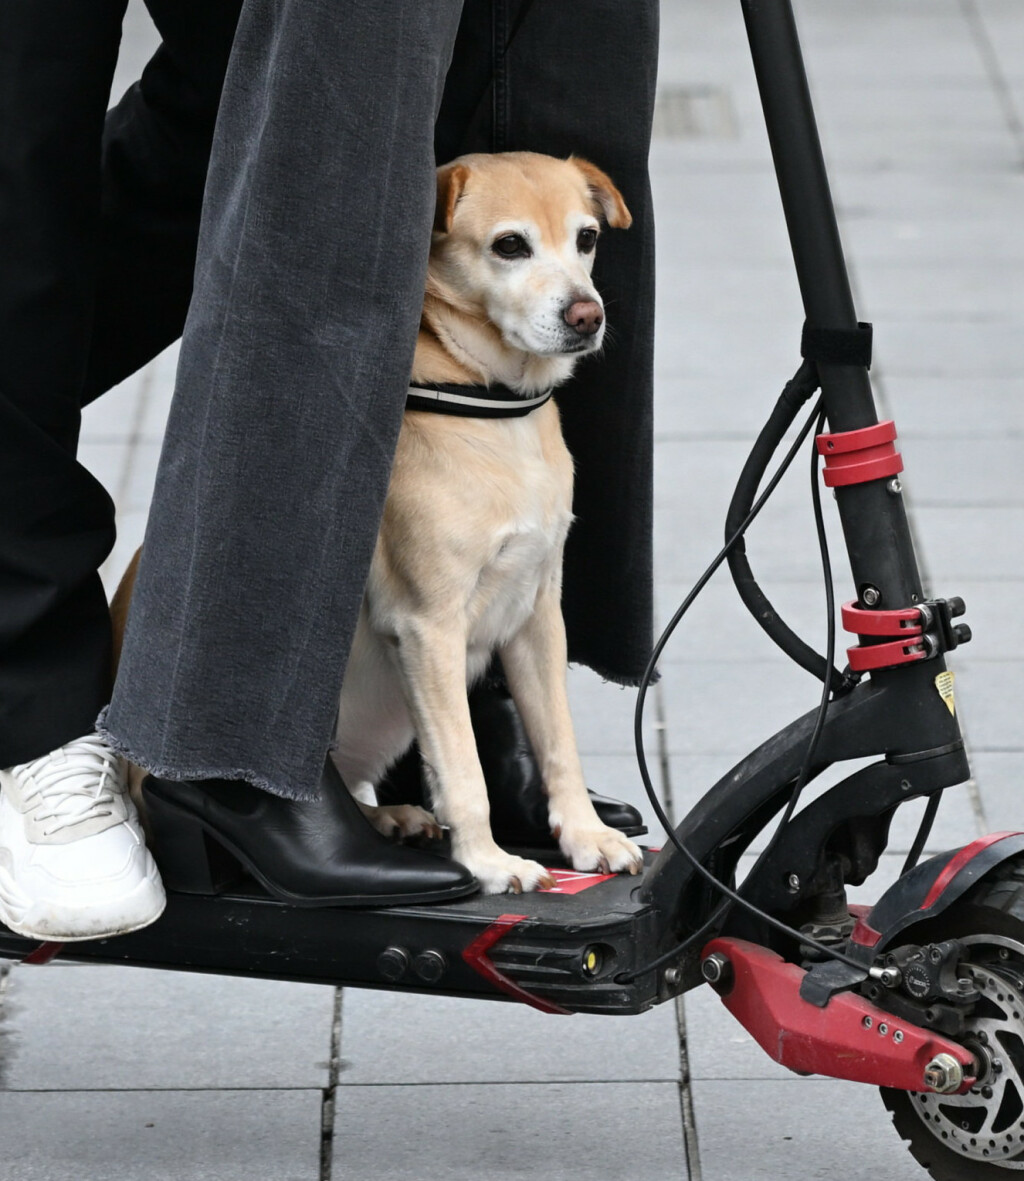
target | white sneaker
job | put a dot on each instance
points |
(73, 861)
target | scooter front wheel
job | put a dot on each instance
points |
(978, 1136)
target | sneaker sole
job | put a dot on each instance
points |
(54, 924)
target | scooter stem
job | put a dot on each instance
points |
(873, 516)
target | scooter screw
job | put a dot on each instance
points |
(895, 487)
(793, 882)
(943, 1074)
(717, 971)
(870, 596)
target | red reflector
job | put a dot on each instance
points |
(476, 956)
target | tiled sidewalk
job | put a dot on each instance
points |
(110, 1074)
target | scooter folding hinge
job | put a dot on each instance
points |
(918, 633)
(849, 1038)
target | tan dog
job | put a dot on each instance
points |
(468, 560)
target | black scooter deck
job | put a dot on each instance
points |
(561, 951)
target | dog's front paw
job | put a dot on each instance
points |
(499, 872)
(399, 821)
(603, 849)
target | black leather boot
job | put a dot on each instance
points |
(304, 852)
(519, 804)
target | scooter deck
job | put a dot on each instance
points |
(560, 950)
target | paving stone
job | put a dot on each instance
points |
(562, 1132)
(714, 708)
(956, 408)
(972, 543)
(1000, 778)
(603, 716)
(391, 1038)
(160, 1135)
(718, 627)
(990, 697)
(83, 1027)
(796, 1130)
(718, 1047)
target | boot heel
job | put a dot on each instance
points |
(190, 862)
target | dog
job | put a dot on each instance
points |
(468, 559)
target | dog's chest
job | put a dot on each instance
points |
(475, 523)
(525, 554)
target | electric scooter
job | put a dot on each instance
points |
(921, 994)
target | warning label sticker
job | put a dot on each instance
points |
(944, 684)
(568, 881)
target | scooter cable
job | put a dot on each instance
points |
(733, 897)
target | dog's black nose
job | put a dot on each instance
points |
(584, 316)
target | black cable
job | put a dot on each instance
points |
(798, 390)
(732, 897)
(923, 833)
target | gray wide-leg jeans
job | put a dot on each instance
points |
(298, 346)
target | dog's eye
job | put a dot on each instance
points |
(586, 240)
(511, 246)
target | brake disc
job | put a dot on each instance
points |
(987, 1123)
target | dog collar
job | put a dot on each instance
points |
(472, 401)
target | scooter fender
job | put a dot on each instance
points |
(928, 889)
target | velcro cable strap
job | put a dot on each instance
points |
(837, 346)
(854, 457)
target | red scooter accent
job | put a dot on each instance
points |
(854, 457)
(850, 1038)
(476, 956)
(43, 954)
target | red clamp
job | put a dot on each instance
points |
(853, 457)
(904, 622)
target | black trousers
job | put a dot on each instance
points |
(99, 216)
(99, 219)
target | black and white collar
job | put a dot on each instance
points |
(473, 401)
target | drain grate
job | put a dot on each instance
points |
(694, 112)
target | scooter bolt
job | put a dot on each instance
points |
(883, 1029)
(673, 975)
(997, 1066)
(717, 971)
(890, 977)
(897, 1037)
(870, 596)
(393, 962)
(793, 882)
(867, 1023)
(943, 1074)
(430, 966)
(895, 487)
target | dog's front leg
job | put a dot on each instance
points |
(535, 666)
(433, 664)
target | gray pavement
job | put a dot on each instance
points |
(114, 1073)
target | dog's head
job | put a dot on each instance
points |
(514, 241)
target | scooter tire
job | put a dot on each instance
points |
(991, 916)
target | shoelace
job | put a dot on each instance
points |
(65, 789)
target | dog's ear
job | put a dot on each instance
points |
(451, 180)
(605, 194)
